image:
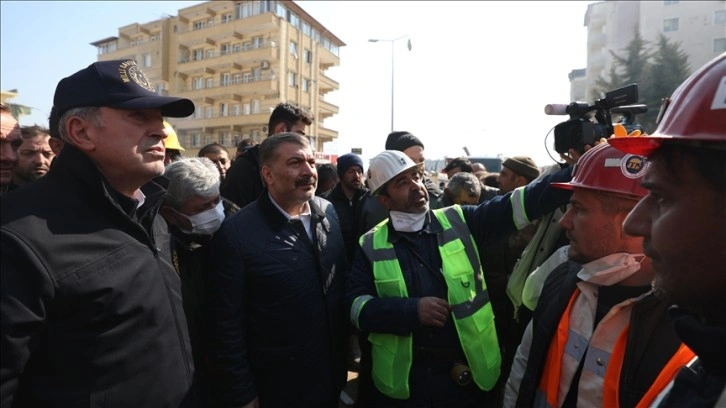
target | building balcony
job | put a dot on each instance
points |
(327, 135)
(264, 85)
(326, 109)
(265, 52)
(224, 122)
(326, 84)
(245, 26)
(327, 59)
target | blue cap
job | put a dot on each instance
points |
(347, 161)
(116, 84)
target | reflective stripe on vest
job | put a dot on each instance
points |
(682, 357)
(467, 295)
(583, 343)
(519, 214)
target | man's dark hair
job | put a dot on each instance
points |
(268, 147)
(461, 162)
(289, 115)
(29, 132)
(245, 143)
(326, 173)
(490, 179)
(211, 148)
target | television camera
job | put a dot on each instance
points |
(590, 123)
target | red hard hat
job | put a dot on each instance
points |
(605, 168)
(697, 112)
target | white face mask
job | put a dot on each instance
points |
(407, 222)
(206, 222)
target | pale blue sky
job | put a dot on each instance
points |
(479, 74)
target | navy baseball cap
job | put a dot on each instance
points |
(116, 84)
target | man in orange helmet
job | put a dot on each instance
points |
(598, 337)
(683, 224)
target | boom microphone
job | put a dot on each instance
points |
(556, 109)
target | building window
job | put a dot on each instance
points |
(670, 25)
(719, 17)
(257, 73)
(235, 109)
(306, 85)
(198, 83)
(292, 79)
(246, 77)
(210, 53)
(225, 48)
(106, 48)
(257, 42)
(197, 55)
(226, 18)
(225, 79)
(293, 19)
(237, 48)
(308, 56)
(246, 108)
(196, 139)
(198, 25)
(198, 113)
(293, 48)
(670, 2)
(280, 10)
(719, 45)
(255, 106)
(147, 60)
(226, 139)
(223, 109)
(210, 111)
(256, 136)
(306, 28)
(237, 79)
(316, 35)
(210, 82)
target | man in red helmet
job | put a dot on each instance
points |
(683, 224)
(598, 337)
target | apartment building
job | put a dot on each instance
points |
(236, 60)
(699, 27)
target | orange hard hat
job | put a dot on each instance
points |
(605, 168)
(696, 112)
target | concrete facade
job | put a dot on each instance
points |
(236, 60)
(699, 27)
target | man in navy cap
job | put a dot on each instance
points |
(91, 306)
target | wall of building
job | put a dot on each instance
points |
(236, 61)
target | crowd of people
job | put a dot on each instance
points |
(134, 276)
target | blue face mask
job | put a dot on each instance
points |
(206, 222)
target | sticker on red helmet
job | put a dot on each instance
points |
(633, 166)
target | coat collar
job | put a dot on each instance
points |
(276, 219)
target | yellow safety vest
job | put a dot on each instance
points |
(392, 355)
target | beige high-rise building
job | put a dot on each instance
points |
(236, 60)
(699, 27)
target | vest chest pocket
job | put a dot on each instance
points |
(389, 287)
(484, 324)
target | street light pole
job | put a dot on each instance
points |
(393, 59)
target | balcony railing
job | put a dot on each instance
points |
(231, 82)
(219, 53)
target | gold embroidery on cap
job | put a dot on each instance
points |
(129, 71)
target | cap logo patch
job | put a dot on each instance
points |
(129, 71)
(633, 166)
(402, 160)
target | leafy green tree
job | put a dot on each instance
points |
(627, 69)
(658, 70)
(667, 70)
